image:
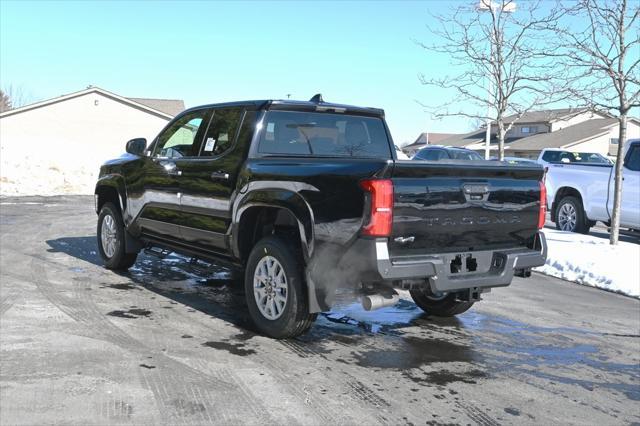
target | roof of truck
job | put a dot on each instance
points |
(294, 105)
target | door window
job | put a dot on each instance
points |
(182, 139)
(632, 162)
(222, 132)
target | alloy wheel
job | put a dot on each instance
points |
(567, 217)
(270, 287)
(108, 235)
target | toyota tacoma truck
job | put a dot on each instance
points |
(307, 198)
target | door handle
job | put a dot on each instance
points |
(219, 175)
(171, 168)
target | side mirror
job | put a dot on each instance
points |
(136, 146)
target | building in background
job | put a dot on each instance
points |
(578, 130)
(425, 139)
(57, 145)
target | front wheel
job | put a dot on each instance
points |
(111, 239)
(275, 291)
(444, 305)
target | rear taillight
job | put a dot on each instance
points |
(543, 205)
(381, 216)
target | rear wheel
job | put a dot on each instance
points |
(111, 239)
(275, 291)
(440, 305)
(570, 216)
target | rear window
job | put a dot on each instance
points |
(323, 134)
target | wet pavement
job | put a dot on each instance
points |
(170, 342)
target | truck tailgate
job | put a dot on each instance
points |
(454, 206)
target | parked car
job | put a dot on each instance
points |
(305, 197)
(439, 153)
(561, 156)
(581, 192)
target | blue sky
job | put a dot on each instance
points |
(352, 52)
(361, 53)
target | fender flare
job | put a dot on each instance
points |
(114, 181)
(280, 195)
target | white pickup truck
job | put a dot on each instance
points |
(580, 188)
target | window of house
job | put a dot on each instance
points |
(529, 129)
(221, 132)
(614, 141)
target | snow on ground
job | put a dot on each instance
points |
(48, 171)
(590, 260)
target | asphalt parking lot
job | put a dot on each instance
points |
(168, 344)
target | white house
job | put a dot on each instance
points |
(57, 146)
(578, 130)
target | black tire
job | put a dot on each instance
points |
(294, 319)
(563, 216)
(445, 307)
(119, 259)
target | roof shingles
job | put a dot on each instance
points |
(565, 137)
(168, 106)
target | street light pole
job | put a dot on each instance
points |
(505, 6)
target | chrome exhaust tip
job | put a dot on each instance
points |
(377, 301)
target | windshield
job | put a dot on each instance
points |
(323, 134)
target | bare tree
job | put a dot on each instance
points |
(601, 67)
(5, 102)
(13, 97)
(499, 58)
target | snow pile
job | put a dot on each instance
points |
(48, 171)
(590, 260)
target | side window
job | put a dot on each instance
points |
(183, 138)
(222, 131)
(551, 156)
(433, 155)
(632, 161)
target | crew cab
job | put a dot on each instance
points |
(308, 198)
(580, 188)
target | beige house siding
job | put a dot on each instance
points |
(516, 130)
(72, 137)
(574, 119)
(602, 145)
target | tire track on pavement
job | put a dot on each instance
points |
(165, 380)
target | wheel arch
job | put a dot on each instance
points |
(566, 191)
(256, 211)
(110, 188)
(257, 219)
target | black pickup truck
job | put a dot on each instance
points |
(307, 198)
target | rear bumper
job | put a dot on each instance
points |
(496, 268)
